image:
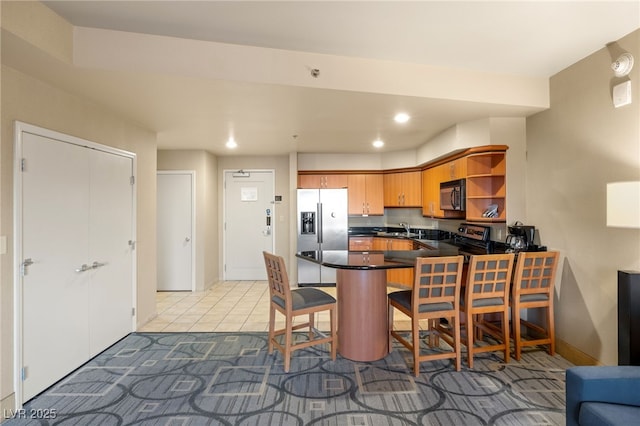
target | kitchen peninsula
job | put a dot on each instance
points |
(362, 295)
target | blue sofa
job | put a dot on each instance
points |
(603, 395)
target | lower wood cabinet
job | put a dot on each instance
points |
(400, 277)
(360, 243)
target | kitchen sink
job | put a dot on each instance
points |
(397, 234)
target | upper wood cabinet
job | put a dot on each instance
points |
(485, 174)
(403, 189)
(431, 192)
(486, 185)
(365, 194)
(454, 169)
(322, 181)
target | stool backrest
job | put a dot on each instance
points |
(278, 278)
(437, 280)
(489, 279)
(535, 273)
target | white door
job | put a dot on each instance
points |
(249, 211)
(175, 231)
(55, 237)
(110, 249)
(76, 245)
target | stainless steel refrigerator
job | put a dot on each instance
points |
(323, 224)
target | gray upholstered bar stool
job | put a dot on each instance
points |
(292, 303)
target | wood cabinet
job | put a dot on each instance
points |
(365, 194)
(403, 189)
(360, 243)
(486, 185)
(431, 192)
(454, 169)
(322, 181)
(400, 277)
(431, 179)
(388, 244)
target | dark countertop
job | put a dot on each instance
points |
(344, 259)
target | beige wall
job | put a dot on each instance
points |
(205, 166)
(574, 149)
(280, 164)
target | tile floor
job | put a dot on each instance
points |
(228, 306)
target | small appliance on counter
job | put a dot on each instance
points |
(521, 238)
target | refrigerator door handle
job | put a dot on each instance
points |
(319, 221)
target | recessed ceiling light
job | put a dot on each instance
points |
(401, 117)
(231, 143)
(378, 143)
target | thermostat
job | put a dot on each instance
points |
(622, 94)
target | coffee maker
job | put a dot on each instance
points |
(521, 238)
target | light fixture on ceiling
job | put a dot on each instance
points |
(378, 143)
(231, 143)
(623, 65)
(401, 117)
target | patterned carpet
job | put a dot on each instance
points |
(229, 379)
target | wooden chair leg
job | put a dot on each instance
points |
(505, 335)
(311, 325)
(288, 341)
(390, 322)
(415, 337)
(272, 324)
(456, 341)
(470, 327)
(334, 333)
(517, 332)
(551, 330)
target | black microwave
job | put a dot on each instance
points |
(453, 195)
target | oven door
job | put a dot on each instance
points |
(452, 195)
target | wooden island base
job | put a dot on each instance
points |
(362, 314)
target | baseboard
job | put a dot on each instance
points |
(574, 355)
(7, 407)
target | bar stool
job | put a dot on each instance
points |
(435, 295)
(292, 303)
(533, 284)
(487, 292)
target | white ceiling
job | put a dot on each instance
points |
(512, 38)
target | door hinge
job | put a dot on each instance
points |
(23, 162)
(133, 312)
(24, 373)
(132, 180)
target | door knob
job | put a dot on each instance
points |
(187, 239)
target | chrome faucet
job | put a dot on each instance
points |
(406, 227)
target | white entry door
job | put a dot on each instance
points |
(77, 256)
(175, 231)
(249, 223)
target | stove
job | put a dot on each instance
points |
(473, 239)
